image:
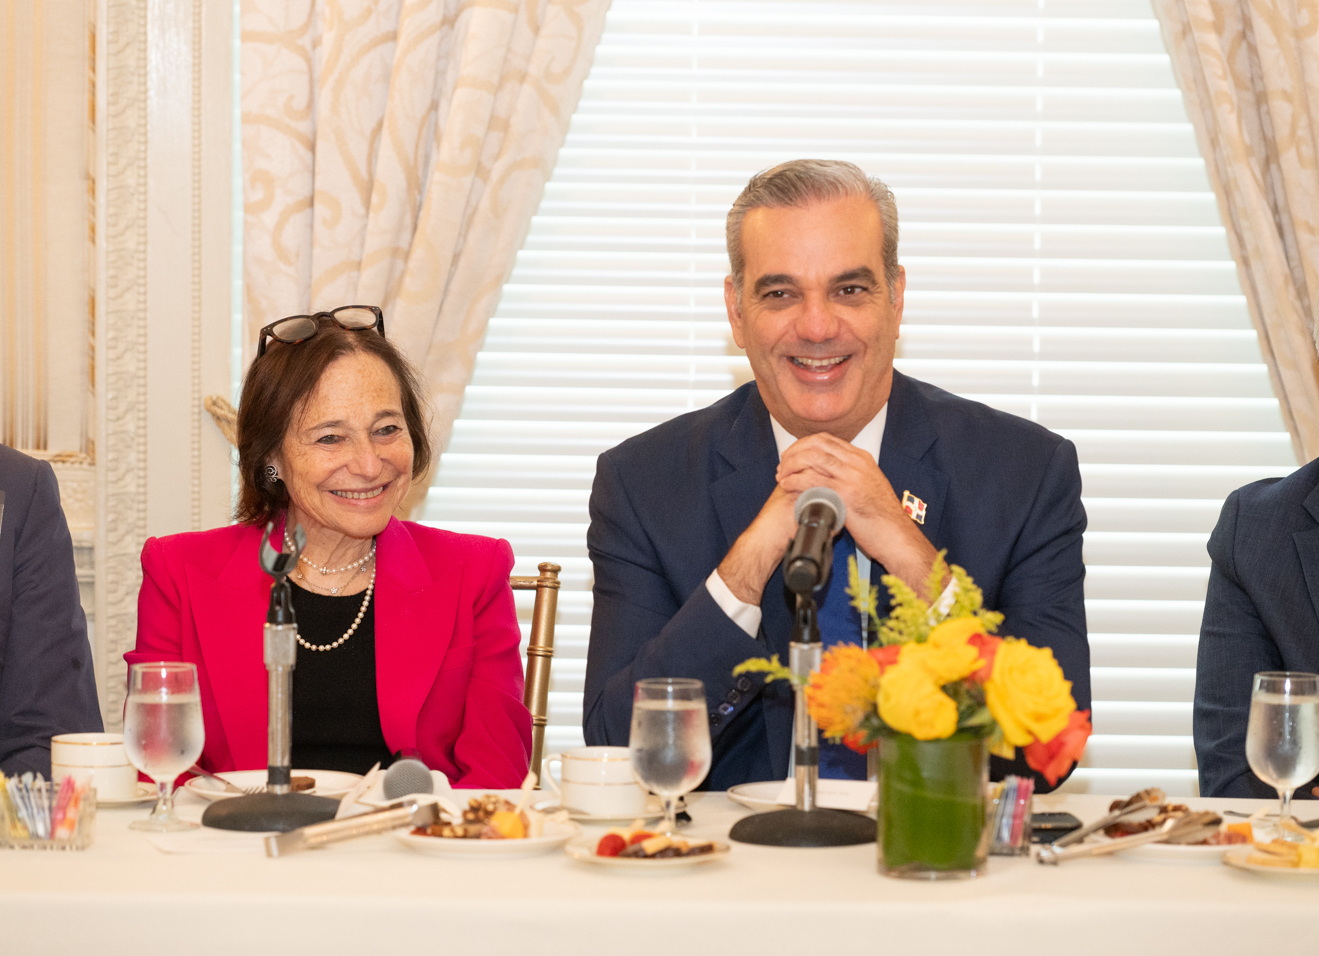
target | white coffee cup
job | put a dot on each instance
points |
(98, 759)
(597, 782)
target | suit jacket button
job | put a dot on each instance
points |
(725, 709)
(716, 720)
(744, 683)
(734, 696)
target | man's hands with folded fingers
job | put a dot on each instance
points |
(757, 552)
(874, 514)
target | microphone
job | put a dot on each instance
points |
(405, 777)
(819, 513)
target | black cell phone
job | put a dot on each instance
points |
(1047, 827)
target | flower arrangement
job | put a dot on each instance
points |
(939, 669)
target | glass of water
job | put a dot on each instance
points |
(163, 733)
(1282, 736)
(670, 740)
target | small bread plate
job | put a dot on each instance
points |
(146, 792)
(329, 783)
(584, 852)
(1239, 857)
(556, 835)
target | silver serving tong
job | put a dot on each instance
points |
(1140, 806)
(1188, 828)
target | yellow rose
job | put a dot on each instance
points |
(945, 653)
(911, 703)
(1027, 693)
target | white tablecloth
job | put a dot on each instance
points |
(375, 896)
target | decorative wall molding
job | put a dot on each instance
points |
(121, 332)
(164, 82)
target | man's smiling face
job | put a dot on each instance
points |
(816, 317)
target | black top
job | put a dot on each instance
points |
(336, 717)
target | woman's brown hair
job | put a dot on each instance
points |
(274, 390)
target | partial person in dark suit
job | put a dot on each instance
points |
(47, 683)
(1260, 615)
(690, 520)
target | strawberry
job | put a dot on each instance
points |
(611, 844)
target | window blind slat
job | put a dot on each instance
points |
(1065, 263)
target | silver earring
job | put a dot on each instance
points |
(272, 474)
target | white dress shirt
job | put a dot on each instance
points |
(747, 616)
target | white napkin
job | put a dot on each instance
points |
(209, 840)
(856, 795)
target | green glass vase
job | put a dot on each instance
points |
(932, 807)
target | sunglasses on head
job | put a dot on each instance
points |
(299, 328)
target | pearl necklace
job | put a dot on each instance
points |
(324, 590)
(366, 602)
(288, 543)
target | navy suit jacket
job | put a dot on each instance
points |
(1003, 495)
(1260, 615)
(47, 685)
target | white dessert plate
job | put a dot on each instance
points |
(329, 783)
(763, 795)
(1239, 857)
(1177, 853)
(556, 835)
(146, 793)
(584, 852)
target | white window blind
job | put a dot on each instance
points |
(1065, 262)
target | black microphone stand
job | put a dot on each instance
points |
(808, 824)
(278, 809)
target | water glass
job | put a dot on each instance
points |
(163, 732)
(1282, 735)
(669, 744)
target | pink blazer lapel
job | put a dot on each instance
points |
(414, 617)
(229, 612)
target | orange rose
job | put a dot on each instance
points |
(1055, 757)
(987, 645)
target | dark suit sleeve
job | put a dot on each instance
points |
(641, 628)
(47, 683)
(1234, 646)
(1043, 592)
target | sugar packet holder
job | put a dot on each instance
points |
(36, 816)
(1009, 816)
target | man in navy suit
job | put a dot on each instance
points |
(47, 685)
(690, 520)
(1260, 615)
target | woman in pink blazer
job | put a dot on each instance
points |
(408, 637)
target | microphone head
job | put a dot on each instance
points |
(405, 777)
(825, 496)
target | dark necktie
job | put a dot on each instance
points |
(840, 623)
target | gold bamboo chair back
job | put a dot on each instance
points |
(540, 651)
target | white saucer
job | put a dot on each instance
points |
(652, 812)
(1239, 857)
(146, 793)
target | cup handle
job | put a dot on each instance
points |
(547, 778)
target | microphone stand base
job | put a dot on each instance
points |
(805, 828)
(267, 812)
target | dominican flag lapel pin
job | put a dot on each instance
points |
(914, 507)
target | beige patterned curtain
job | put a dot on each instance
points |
(1249, 70)
(394, 152)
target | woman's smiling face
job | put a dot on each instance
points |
(346, 458)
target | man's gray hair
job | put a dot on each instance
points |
(801, 182)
